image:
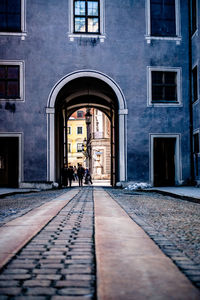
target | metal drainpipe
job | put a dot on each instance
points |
(190, 94)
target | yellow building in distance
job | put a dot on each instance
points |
(76, 133)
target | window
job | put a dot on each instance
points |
(10, 16)
(68, 130)
(194, 16)
(79, 147)
(86, 16)
(194, 84)
(9, 81)
(164, 86)
(69, 148)
(79, 114)
(163, 17)
(79, 130)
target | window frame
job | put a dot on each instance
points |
(81, 130)
(79, 150)
(87, 17)
(194, 30)
(82, 114)
(177, 38)
(100, 36)
(21, 65)
(69, 130)
(69, 147)
(195, 84)
(23, 32)
(178, 71)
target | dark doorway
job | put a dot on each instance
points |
(164, 161)
(9, 161)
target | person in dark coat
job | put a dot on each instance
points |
(80, 173)
(70, 175)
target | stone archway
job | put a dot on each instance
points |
(121, 115)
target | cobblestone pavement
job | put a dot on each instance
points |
(172, 223)
(14, 206)
(59, 262)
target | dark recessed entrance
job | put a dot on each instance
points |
(91, 94)
(9, 161)
(164, 161)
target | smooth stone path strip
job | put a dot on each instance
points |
(129, 264)
(15, 234)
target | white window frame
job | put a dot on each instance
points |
(149, 86)
(79, 143)
(197, 66)
(178, 160)
(69, 130)
(195, 33)
(69, 145)
(23, 32)
(21, 65)
(101, 36)
(77, 130)
(148, 35)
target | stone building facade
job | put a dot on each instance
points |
(136, 61)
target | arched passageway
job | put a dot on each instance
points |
(86, 89)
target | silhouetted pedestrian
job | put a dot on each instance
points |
(70, 175)
(80, 173)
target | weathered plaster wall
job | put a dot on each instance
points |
(124, 56)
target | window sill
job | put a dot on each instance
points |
(73, 36)
(149, 38)
(164, 104)
(12, 100)
(20, 34)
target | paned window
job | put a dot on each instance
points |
(79, 114)
(9, 81)
(10, 15)
(163, 17)
(79, 130)
(164, 86)
(194, 16)
(68, 130)
(86, 16)
(79, 147)
(69, 148)
(194, 84)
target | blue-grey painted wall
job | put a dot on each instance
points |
(125, 54)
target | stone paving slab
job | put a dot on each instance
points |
(129, 264)
(15, 234)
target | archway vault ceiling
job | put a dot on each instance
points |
(87, 91)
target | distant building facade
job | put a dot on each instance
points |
(76, 134)
(136, 61)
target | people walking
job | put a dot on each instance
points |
(70, 175)
(80, 173)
